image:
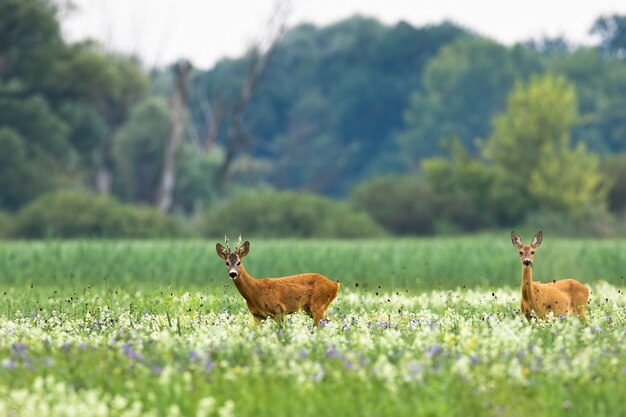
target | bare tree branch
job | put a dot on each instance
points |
(262, 52)
(213, 117)
(178, 103)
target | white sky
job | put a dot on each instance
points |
(162, 31)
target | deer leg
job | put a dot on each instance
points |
(582, 313)
(279, 313)
(258, 319)
(318, 313)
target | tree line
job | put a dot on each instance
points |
(415, 130)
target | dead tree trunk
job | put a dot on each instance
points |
(213, 116)
(238, 140)
(104, 172)
(178, 102)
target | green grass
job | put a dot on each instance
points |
(118, 328)
(414, 264)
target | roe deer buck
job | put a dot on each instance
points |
(563, 297)
(275, 297)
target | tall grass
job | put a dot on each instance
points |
(413, 264)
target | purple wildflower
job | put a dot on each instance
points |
(433, 351)
(416, 367)
(19, 350)
(209, 366)
(130, 353)
(333, 353)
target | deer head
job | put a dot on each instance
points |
(233, 259)
(527, 252)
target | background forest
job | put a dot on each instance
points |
(355, 129)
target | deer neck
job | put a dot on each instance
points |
(245, 283)
(527, 283)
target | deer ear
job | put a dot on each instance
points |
(516, 239)
(222, 252)
(537, 239)
(244, 249)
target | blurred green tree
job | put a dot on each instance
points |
(36, 153)
(464, 185)
(463, 86)
(65, 101)
(612, 32)
(531, 152)
(139, 151)
(614, 168)
(195, 185)
(338, 90)
(600, 85)
(109, 83)
(29, 35)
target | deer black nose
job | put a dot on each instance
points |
(526, 262)
(232, 274)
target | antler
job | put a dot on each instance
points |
(238, 243)
(226, 241)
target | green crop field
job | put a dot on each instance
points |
(422, 327)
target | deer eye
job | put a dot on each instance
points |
(238, 263)
(227, 264)
(532, 253)
(521, 253)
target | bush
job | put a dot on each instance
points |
(288, 214)
(69, 214)
(614, 169)
(402, 205)
(7, 225)
(596, 223)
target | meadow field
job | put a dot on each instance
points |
(422, 327)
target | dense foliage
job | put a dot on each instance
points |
(77, 214)
(287, 214)
(468, 133)
(383, 98)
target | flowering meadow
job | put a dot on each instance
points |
(438, 353)
(152, 350)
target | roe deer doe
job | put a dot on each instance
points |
(563, 297)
